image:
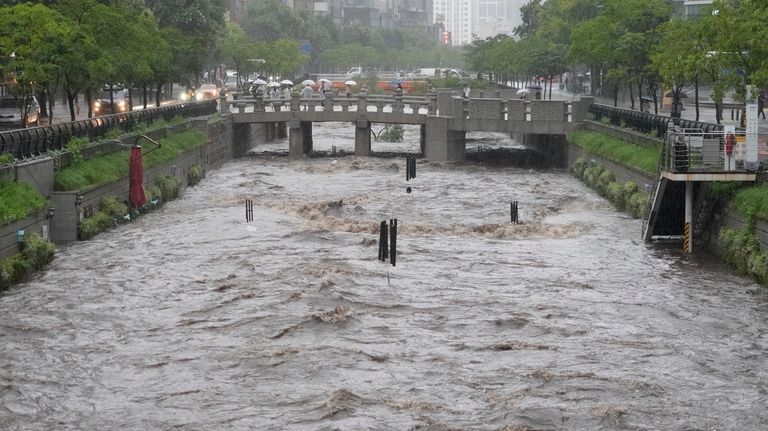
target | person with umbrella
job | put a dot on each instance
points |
(306, 93)
(349, 87)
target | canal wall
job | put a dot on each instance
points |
(59, 221)
(722, 217)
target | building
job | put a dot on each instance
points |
(456, 18)
(493, 17)
(696, 8)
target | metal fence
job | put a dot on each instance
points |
(646, 122)
(34, 141)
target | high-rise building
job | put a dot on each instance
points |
(456, 18)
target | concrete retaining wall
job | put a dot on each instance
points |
(71, 207)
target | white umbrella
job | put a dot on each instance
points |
(523, 91)
(286, 82)
(273, 84)
(350, 82)
(259, 82)
(324, 80)
(307, 82)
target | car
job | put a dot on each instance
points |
(11, 112)
(103, 104)
(354, 72)
(231, 83)
(207, 92)
(424, 72)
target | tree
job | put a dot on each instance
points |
(674, 57)
(270, 20)
(237, 50)
(30, 37)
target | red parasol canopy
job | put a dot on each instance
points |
(136, 179)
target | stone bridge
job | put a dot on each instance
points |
(444, 118)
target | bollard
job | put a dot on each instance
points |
(410, 167)
(383, 252)
(248, 210)
(393, 240)
(513, 212)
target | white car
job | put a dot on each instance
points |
(11, 112)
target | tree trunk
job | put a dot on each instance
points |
(631, 97)
(696, 94)
(158, 92)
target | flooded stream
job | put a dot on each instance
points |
(190, 318)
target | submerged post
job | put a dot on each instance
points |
(393, 240)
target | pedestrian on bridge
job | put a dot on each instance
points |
(306, 93)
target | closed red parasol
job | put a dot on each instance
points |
(136, 179)
(136, 196)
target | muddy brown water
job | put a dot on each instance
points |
(190, 318)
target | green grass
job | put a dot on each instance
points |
(17, 201)
(111, 167)
(750, 199)
(617, 150)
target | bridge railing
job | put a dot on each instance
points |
(359, 102)
(516, 110)
(35, 141)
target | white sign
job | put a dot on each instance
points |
(750, 155)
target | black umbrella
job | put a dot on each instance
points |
(534, 87)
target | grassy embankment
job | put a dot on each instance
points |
(742, 247)
(626, 196)
(113, 166)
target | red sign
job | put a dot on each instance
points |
(446, 38)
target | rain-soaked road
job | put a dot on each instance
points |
(192, 319)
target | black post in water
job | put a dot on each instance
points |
(413, 166)
(513, 212)
(407, 168)
(393, 240)
(381, 244)
(248, 210)
(383, 252)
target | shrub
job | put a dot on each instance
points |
(606, 177)
(113, 207)
(75, 147)
(94, 225)
(36, 254)
(169, 187)
(6, 159)
(195, 174)
(153, 192)
(637, 203)
(615, 193)
(579, 166)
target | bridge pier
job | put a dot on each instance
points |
(300, 138)
(362, 138)
(441, 143)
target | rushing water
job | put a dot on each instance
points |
(190, 318)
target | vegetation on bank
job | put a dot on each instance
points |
(617, 150)
(742, 250)
(106, 168)
(114, 212)
(18, 200)
(626, 197)
(35, 254)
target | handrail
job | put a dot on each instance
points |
(36, 141)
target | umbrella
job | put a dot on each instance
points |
(324, 80)
(136, 179)
(350, 82)
(273, 84)
(671, 93)
(259, 82)
(286, 82)
(136, 196)
(523, 91)
(534, 87)
(307, 82)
